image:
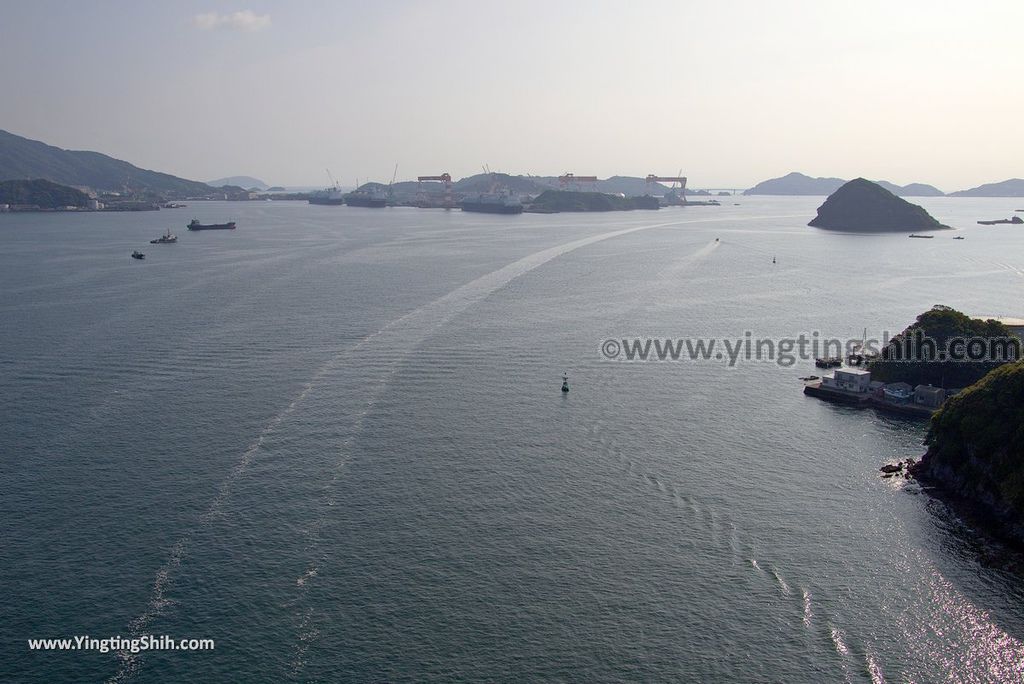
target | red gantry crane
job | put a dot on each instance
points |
(445, 178)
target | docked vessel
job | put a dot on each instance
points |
(332, 195)
(196, 225)
(164, 239)
(365, 198)
(1015, 219)
(493, 203)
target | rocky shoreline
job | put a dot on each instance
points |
(972, 500)
(999, 534)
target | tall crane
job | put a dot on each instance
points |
(445, 178)
(391, 190)
(568, 178)
(681, 179)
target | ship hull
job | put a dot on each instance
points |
(492, 208)
(212, 226)
(326, 200)
(368, 202)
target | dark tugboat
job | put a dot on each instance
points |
(196, 225)
(165, 239)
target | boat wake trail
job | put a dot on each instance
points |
(808, 613)
(691, 260)
(842, 650)
(398, 338)
(158, 601)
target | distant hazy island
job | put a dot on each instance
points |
(1008, 188)
(799, 184)
(247, 182)
(865, 207)
(118, 184)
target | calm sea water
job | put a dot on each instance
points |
(333, 441)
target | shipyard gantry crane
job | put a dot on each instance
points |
(651, 178)
(568, 178)
(445, 178)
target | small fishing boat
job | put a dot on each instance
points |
(926, 237)
(138, 255)
(565, 382)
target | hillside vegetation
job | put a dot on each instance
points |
(21, 158)
(914, 355)
(42, 193)
(976, 446)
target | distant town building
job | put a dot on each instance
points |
(849, 380)
(929, 396)
(1016, 325)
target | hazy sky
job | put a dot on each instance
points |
(732, 92)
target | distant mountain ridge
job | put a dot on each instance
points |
(21, 158)
(796, 183)
(1013, 187)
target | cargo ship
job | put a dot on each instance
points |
(1015, 219)
(332, 195)
(490, 203)
(196, 225)
(366, 198)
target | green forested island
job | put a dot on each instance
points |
(915, 355)
(976, 448)
(866, 207)
(976, 439)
